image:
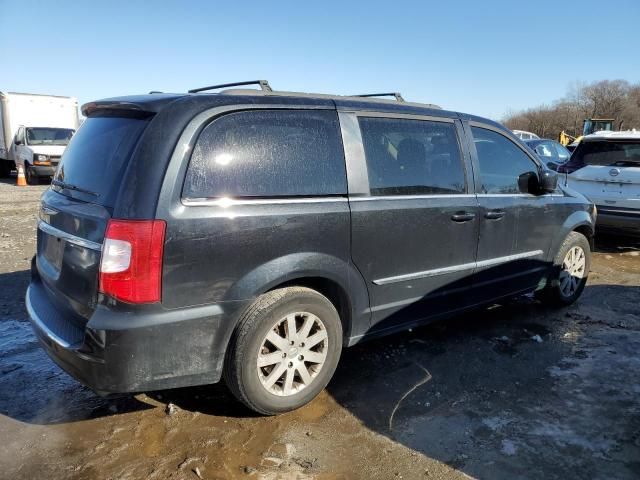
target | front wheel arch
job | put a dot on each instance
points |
(552, 294)
(587, 231)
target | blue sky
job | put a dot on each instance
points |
(485, 57)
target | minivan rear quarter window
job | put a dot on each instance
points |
(268, 153)
(97, 157)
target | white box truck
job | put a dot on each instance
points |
(34, 131)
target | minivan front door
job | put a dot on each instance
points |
(516, 227)
(414, 222)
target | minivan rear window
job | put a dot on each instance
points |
(608, 153)
(268, 153)
(94, 163)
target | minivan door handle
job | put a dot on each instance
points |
(462, 217)
(494, 214)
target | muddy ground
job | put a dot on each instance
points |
(513, 391)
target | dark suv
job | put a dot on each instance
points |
(252, 234)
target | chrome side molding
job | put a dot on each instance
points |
(457, 268)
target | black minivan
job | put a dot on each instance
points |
(251, 234)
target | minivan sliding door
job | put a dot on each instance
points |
(414, 223)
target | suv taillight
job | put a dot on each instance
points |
(131, 263)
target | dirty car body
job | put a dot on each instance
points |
(215, 235)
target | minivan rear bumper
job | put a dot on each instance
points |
(123, 353)
(624, 220)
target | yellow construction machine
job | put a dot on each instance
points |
(589, 126)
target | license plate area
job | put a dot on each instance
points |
(53, 251)
(612, 188)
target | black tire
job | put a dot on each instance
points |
(241, 370)
(552, 294)
(30, 177)
(5, 168)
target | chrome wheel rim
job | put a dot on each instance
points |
(292, 354)
(573, 271)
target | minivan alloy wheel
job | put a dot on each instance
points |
(292, 353)
(573, 270)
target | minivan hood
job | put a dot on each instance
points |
(54, 150)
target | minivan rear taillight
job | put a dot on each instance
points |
(131, 263)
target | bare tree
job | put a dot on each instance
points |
(615, 99)
(606, 98)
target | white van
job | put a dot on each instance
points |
(34, 131)
(605, 167)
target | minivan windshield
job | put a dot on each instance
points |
(95, 161)
(608, 153)
(49, 136)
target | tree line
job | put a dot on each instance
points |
(617, 99)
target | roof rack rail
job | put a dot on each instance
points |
(155, 91)
(397, 95)
(264, 86)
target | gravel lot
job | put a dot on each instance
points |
(513, 391)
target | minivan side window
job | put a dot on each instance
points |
(501, 162)
(412, 157)
(268, 153)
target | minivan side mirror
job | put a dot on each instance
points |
(17, 141)
(548, 181)
(528, 182)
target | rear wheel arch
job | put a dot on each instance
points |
(330, 289)
(322, 284)
(332, 276)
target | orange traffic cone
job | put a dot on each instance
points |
(22, 181)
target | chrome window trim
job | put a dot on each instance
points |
(457, 268)
(82, 242)
(410, 197)
(232, 202)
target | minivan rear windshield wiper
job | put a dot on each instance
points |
(70, 186)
